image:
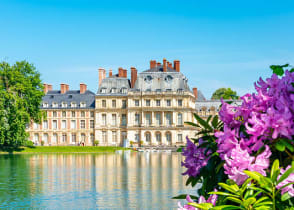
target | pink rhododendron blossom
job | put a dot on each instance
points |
(240, 160)
(212, 199)
(290, 179)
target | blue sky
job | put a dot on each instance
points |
(219, 43)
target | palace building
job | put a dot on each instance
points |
(150, 108)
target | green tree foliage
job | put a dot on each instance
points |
(21, 93)
(225, 93)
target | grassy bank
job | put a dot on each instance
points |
(65, 149)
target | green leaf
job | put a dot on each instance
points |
(280, 146)
(204, 206)
(285, 175)
(254, 175)
(223, 193)
(215, 121)
(226, 207)
(288, 144)
(193, 124)
(275, 167)
(202, 122)
(236, 200)
(285, 196)
(249, 202)
(228, 188)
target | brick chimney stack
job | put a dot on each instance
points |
(120, 72)
(195, 92)
(177, 65)
(45, 88)
(134, 74)
(152, 64)
(49, 87)
(83, 88)
(170, 65)
(102, 75)
(110, 73)
(63, 88)
(158, 64)
(164, 65)
(66, 87)
(125, 73)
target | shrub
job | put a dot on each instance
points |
(29, 144)
(96, 142)
(42, 143)
(246, 158)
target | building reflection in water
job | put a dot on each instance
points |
(126, 180)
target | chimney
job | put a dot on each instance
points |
(170, 65)
(63, 88)
(102, 75)
(110, 73)
(66, 87)
(120, 72)
(158, 64)
(49, 87)
(195, 92)
(152, 64)
(125, 73)
(133, 76)
(164, 65)
(45, 88)
(83, 88)
(177, 65)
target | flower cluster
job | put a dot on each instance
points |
(212, 199)
(195, 158)
(262, 118)
(288, 180)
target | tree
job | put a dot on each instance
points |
(225, 93)
(21, 93)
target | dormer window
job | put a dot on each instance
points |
(158, 90)
(83, 104)
(63, 104)
(55, 105)
(73, 104)
(45, 105)
(113, 90)
(124, 90)
(168, 78)
(148, 79)
(168, 90)
(103, 90)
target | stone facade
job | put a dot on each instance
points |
(148, 109)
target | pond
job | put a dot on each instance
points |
(122, 180)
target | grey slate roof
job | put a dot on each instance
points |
(55, 96)
(114, 85)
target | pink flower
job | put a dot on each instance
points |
(290, 179)
(212, 199)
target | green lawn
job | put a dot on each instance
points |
(66, 149)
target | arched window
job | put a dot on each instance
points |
(124, 90)
(158, 137)
(148, 136)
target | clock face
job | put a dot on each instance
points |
(148, 79)
(168, 78)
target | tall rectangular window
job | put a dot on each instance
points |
(124, 104)
(123, 119)
(157, 102)
(148, 119)
(168, 102)
(82, 114)
(63, 124)
(92, 137)
(73, 124)
(104, 136)
(180, 102)
(54, 114)
(73, 114)
(73, 138)
(91, 114)
(137, 119)
(54, 124)
(136, 102)
(104, 119)
(158, 119)
(63, 114)
(168, 118)
(64, 137)
(83, 124)
(91, 123)
(55, 138)
(113, 103)
(148, 102)
(36, 126)
(45, 124)
(114, 136)
(137, 137)
(103, 103)
(113, 122)
(180, 119)
(180, 137)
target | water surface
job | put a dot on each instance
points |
(126, 180)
